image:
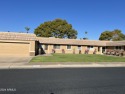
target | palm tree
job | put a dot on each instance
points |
(27, 29)
(85, 35)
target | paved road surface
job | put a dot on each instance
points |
(63, 81)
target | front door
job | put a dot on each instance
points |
(103, 49)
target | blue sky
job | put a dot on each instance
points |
(93, 16)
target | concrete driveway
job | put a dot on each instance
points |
(10, 59)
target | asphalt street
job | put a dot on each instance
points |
(63, 81)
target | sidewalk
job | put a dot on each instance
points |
(59, 65)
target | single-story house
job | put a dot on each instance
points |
(25, 44)
(76, 45)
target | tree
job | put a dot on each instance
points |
(57, 28)
(106, 35)
(27, 29)
(115, 35)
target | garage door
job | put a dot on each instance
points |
(14, 49)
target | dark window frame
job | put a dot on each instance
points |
(69, 46)
(56, 46)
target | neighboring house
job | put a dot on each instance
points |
(23, 44)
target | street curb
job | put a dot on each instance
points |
(60, 66)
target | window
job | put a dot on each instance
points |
(46, 47)
(56, 46)
(79, 47)
(68, 46)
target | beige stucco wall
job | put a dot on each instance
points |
(17, 48)
(74, 48)
(32, 48)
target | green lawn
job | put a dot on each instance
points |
(77, 58)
